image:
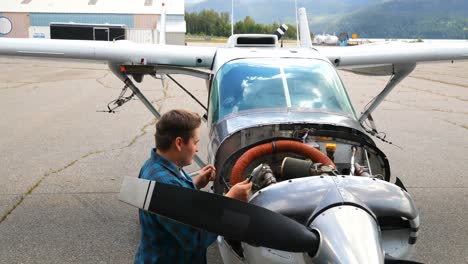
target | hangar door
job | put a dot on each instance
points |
(104, 32)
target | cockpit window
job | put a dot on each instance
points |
(315, 86)
(247, 84)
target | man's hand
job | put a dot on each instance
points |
(206, 175)
(240, 191)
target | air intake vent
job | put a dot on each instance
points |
(253, 40)
(257, 40)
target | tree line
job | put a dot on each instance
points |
(212, 23)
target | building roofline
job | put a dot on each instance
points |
(176, 7)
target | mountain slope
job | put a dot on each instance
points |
(367, 18)
(407, 19)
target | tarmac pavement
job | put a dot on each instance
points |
(62, 161)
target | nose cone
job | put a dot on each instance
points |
(348, 235)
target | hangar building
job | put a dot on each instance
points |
(135, 20)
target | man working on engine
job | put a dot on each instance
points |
(164, 240)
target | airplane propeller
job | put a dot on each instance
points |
(224, 216)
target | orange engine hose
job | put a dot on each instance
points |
(281, 146)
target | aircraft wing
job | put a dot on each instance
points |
(395, 59)
(380, 59)
(172, 59)
(117, 52)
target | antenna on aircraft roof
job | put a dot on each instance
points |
(305, 39)
(232, 17)
(297, 24)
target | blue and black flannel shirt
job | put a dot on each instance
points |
(164, 240)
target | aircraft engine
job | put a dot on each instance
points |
(284, 146)
(262, 176)
(304, 172)
(275, 153)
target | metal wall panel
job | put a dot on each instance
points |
(142, 35)
(146, 21)
(152, 36)
(175, 17)
(175, 38)
(20, 25)
(101, 6)
(39, 32)
(44, 19)
(174, 26)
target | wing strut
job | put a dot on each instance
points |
(400, 71)
(186, 91)
(115, 69)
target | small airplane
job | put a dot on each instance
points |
(323, 192)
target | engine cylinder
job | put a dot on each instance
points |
(295, 168)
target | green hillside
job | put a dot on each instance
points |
(368, 18)
(405, 19)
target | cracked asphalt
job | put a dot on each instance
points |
(62, 161)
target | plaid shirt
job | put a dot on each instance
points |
(164, 240)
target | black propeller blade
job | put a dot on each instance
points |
(232, 219)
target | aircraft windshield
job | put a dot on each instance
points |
(277, 83)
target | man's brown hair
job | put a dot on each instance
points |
(173, 124)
